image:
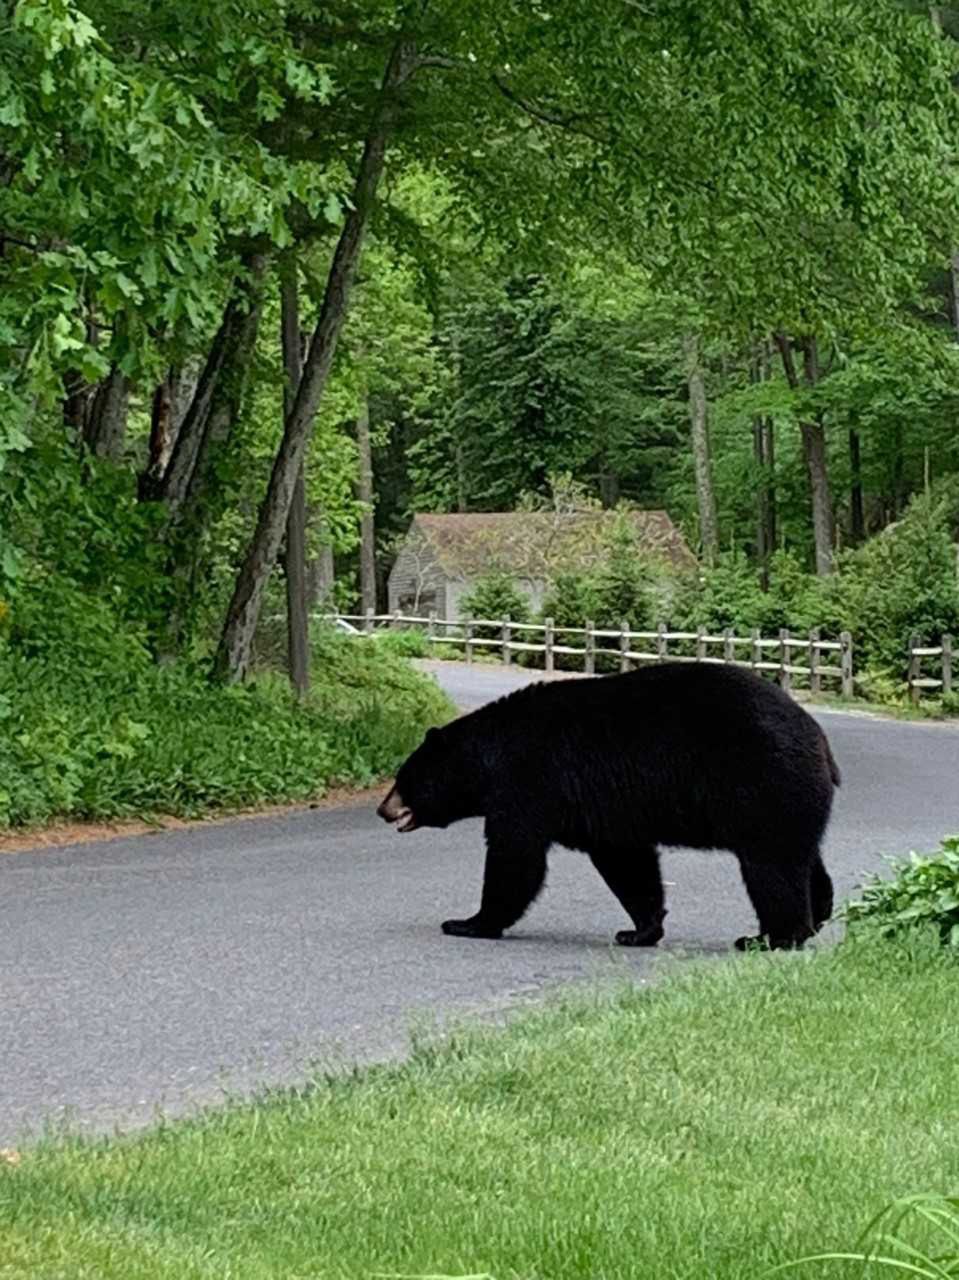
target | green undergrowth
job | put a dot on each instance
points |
(115, 735)
(730, 1118)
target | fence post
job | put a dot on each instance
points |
(729, 649)
(548, 644)
(431, 627)
(785, 675)
(368, 620)
(700, 644)
(397, 620)
(915, 669)
(661, 642)
(756, 649)
(845, 655)
(505, 634)
(946, 665)
(469, 639)
(815, 680)
(624, 645)
(589, 657)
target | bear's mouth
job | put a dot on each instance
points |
(406, 821)
(396, 813)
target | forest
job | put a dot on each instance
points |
(274, 277)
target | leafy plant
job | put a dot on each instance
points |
(495, 595)
(403, 644)
(886, 1246)
(124, 737)
(923, 893)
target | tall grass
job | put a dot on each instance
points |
(917, 1235)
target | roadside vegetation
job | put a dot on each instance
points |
(92, 728)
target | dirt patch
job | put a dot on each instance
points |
(60, 834)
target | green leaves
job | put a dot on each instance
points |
(923, 893)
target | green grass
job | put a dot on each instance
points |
(734, 1117)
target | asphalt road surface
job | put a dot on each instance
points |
(163, 972)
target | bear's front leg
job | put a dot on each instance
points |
(634, 877)
(514, 875)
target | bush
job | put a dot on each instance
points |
(402, 644)
(88, 734)
(625, 584)
(924, 893)
(900, 582)
(573, 599)
(496, 595)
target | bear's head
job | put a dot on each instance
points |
(435, 786)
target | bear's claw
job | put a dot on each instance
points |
(647, 937)
(764, 943)
(471, 928)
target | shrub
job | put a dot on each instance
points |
(496, 595)
(410, 643)
(94, 741)
(625, 584)
(725, 595)
(573, 599)
(900, 582)
(924, 893)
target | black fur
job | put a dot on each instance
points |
(703, 756)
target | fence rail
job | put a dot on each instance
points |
(920, 660)
(776, 655)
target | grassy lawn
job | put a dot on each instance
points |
(738, 1115)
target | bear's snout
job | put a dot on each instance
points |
(394, 810)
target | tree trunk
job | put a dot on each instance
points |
(321, 577)
(106, 425)
(462, 501)
(608, 485)
(233, 655)
(364, 491)
(814, 449)
(702, 461)
(764, 451)
(857, 519)
(764, 546)
(954, 289)
(190, 497)
(161, 443)
(188, 443)
(297, 608)
(79, 395)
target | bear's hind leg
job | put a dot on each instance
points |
(633, 876)
(780, 894)
(820, 889)
(514, 874)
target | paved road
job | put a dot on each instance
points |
(157, 972)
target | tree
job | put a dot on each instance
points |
(702, 460)
(294, 556)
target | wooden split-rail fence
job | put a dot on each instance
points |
(816, 663)
(922, 659)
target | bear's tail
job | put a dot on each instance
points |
(830, 761)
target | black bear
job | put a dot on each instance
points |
(710, 757)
